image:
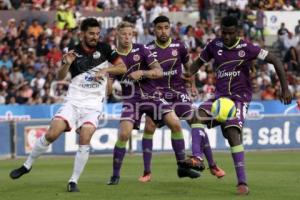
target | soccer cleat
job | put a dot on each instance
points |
(242, 189)
(114, 180)
(185, 172)
(17, 173)
(72, 187)
(193, 162)
(217, 171)
(145, 178)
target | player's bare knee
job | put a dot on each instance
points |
(175, 126)
(52, 134)
(233, 135)
(124, 137)
(149, 128)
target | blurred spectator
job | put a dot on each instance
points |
(260, 17)
(35, 29)
(208, 89)
(287, 6)
(297, 29)
(189, 38)
(38, 82)
(145, 38)
(291, 59)
(248, 21)
(16, 77)
(268, 93)
(6, 62)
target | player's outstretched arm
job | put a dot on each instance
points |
(154, 73)
(194, 67)
(118, 68)
(67, 61)
(286, 96)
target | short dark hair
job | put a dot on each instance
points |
(229, 21)
(89, 22)
(161, 19)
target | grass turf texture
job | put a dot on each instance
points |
(272, 175)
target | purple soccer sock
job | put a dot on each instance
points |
(119, 153)
(147, 144)
(178, 145)
(238, 157)
(198, 135)
(208, 152)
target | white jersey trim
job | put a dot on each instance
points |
(262, 54)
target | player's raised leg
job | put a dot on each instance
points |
(173, 122)
(41, 146)
(147, 143)
(125, 130)
(82, 155)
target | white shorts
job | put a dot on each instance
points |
(75, 116)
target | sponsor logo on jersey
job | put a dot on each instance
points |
(223, 73)
(219, 44)
(241, 53)
(170, 73)
(89, 77)
(174, 45)
(174, 52)
(136, 57)
(135, 50)
(241, 46)
(89, 85)
(219, 52)
(96, 55)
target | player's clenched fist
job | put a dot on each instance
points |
(136, 75)
(286, 97)
(69, 57)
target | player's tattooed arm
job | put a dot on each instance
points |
(154, 73)
(286, 96)
(67, 61)
(118, 68)
(195, 66)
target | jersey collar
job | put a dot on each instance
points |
(164, 46)
(235, 44)
(124, 53)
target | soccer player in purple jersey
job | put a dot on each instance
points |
(138, 90)
(232, 61)
(171, 55)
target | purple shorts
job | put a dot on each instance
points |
(181, 104)
(238, 121)
(133, 109)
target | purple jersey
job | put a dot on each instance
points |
(171, 59)
(232, 67)
(139, 58)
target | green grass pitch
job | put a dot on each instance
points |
(272, 175)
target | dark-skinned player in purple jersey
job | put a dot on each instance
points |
(172, 55)
(138, 91)
(232, 61)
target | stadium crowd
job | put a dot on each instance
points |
(30, 52)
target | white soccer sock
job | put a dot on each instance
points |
(40, 147)
(81, 159)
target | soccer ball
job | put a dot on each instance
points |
(223, 109)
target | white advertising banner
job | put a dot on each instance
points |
(275, 18)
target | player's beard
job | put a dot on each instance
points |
(90, 44)
(163, 39)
